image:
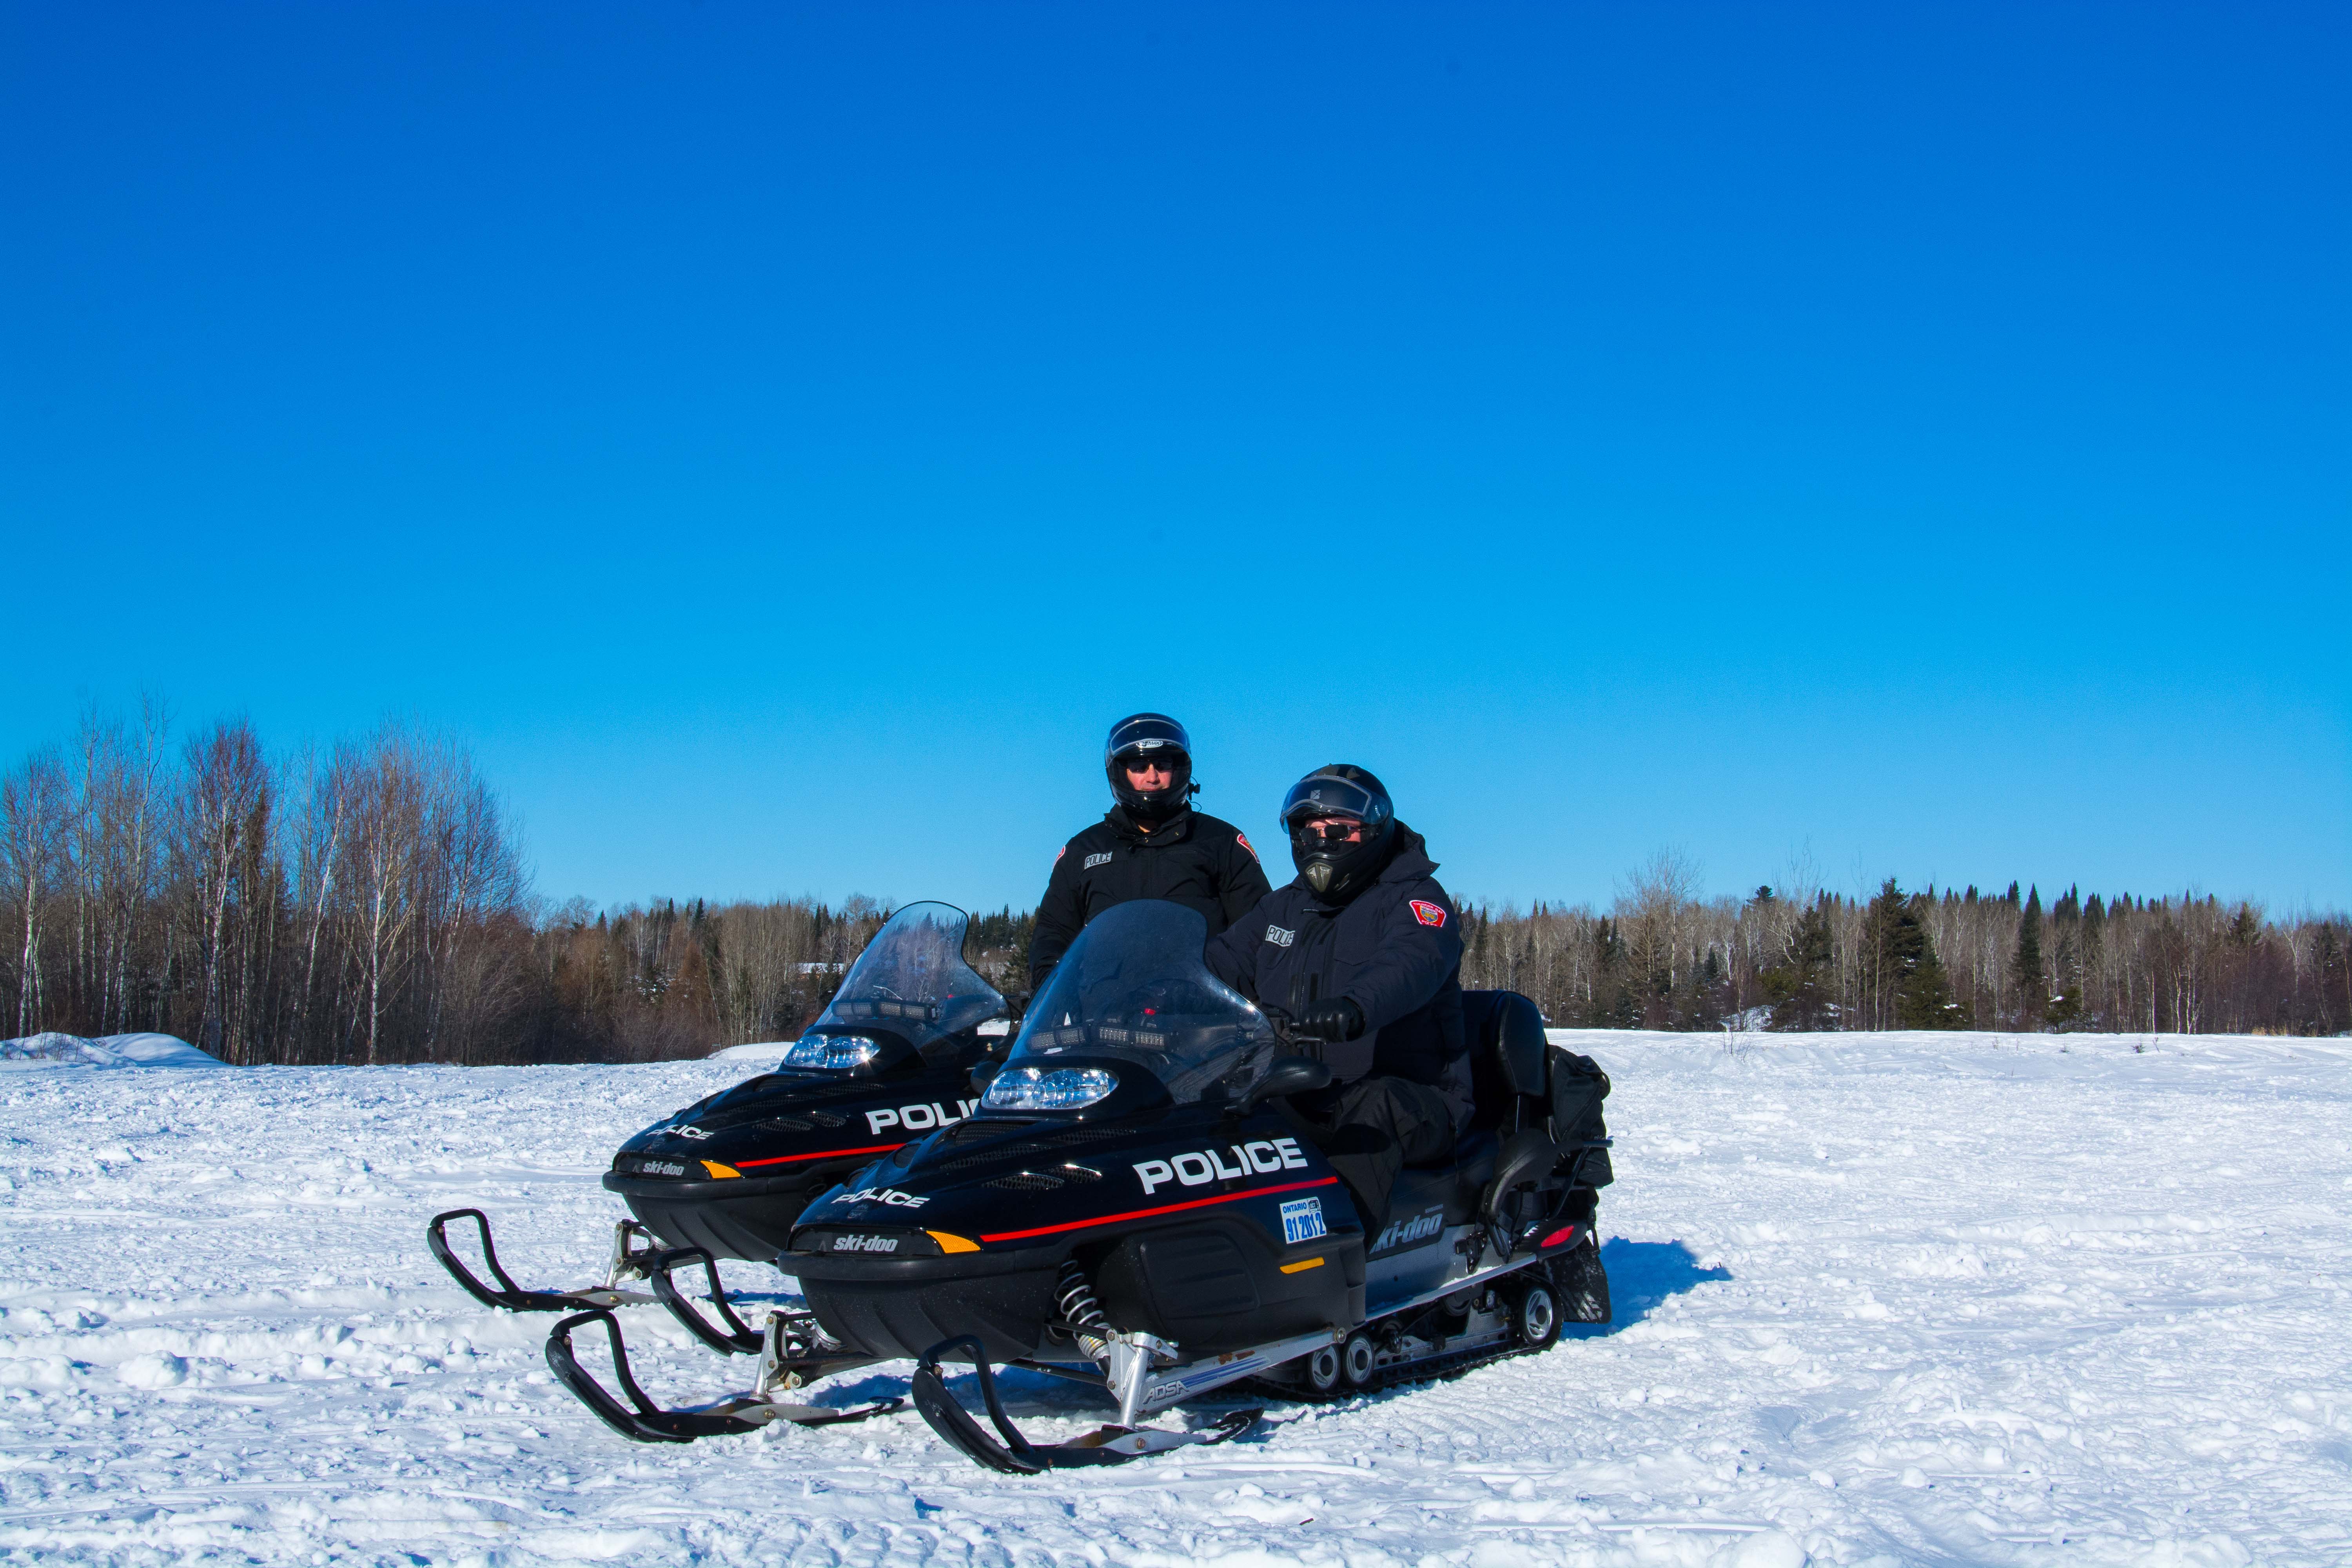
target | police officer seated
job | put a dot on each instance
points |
(1361, 950)
(1151, 844)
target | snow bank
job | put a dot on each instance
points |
(762, 1051)
(1882, 1300)
(51, 1049)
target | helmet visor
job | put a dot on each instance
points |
(1154, 736)
(1326, 794)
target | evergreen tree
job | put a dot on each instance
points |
(2332, 975)
(1616, 997)
(1923, 998)
(1905, 984)
(2025, 968)
(1800, 989)
(2066, 993)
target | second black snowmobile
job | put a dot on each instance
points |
(890, 1060)
(1135, 1206)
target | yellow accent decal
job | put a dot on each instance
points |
(1302, 1268)
(949, 1241)
(718, 1170)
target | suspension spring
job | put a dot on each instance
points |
(1074, 1298)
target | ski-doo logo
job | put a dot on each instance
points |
(1280, 937)
(1199, 1169)
(891, 1196)
(865, 1244)
(1102, 858)
(917, 1118)
(1408, 1233)
(1427, 913)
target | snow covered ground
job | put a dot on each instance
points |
(1890, 1300)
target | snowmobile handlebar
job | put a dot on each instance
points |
(1283, 1077)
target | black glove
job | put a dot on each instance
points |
(1334, 1018)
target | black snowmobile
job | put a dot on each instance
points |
(890, 1059)
(1133, 1207)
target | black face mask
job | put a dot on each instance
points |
(1338, 870)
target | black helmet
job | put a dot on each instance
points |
(1160, 738)
(1335, 868)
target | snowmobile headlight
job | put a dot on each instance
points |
(836, 1051)
(1033, 1088)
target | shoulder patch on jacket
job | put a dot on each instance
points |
(1427, 913)
(1100, 857)
(1242, 839)
(1065, 850)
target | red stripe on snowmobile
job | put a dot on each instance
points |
(1147, 1214)
(820, 1155)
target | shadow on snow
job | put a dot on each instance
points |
(1642, 1276)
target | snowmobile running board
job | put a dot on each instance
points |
(1016, 1455)
(629, 1262)
(643, 1421)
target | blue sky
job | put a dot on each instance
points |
(780, 440)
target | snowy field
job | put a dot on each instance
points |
(1884, 1299)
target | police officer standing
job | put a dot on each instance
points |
(1151, 844)
(1363, 951)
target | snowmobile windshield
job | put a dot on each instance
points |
(1133, 988)
(912, 982)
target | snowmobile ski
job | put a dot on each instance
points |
(736, 1338)
(790, 1357)
(630, 1262)
(1015, 1455)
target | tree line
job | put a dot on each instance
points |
(368, 903)
(671, 979)
(1665, 957)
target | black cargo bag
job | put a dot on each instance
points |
(1578, 1087)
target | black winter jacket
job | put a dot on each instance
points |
(1191, 859)
(1394, 949)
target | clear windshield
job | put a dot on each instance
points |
(912, 980)
(1133, 987)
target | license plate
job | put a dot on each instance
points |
(1302, 1220)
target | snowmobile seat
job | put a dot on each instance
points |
(1474, 1162)
(1456, 1185)
(1505, 1034)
